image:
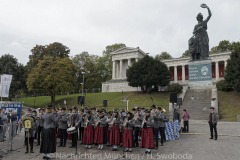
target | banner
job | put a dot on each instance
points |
(11, 107)
(200, 72)
(5, 85)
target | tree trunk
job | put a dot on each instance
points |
(53, 99)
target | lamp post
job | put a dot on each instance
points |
(83, 73)
(83, 83)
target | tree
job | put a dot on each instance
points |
(232, 72)
(54, 50)
(10, 65)
(148, 72)
(224, 45)
(175, 87)
(163, 55)
(235, 47)
(214, 50)
(52, 75)
(106, 60)
(186, 54)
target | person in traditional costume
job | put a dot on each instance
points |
(147, 139)
(62, 128)
(114, 133)
(74, 122)
(48, 144)
(88, 133)
(100, 133)
(30, 133)
(128, 125)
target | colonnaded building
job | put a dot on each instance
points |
(178, 67)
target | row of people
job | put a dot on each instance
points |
(100, 128)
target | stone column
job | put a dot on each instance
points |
(129, 63)
(217, 70)
(117, 71)
(225, 65)
(136, 59)
(121, 67)
(175, 74)
(114, 70)
(183, 73)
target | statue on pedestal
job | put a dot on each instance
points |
(199, 42)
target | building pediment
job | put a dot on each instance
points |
(125, 50)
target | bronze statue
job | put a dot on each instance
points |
(199, 42)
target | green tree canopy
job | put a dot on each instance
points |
(232, 72)
(163, 55)
(223, 46)
(105, 61)
(54, 50)
(148, 72)
(52, 75)
(10, 65)
(186, 54)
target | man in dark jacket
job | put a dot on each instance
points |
(213, 119)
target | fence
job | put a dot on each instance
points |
(7, 134)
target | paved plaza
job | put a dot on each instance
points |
(194, 145)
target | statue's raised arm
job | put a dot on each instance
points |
(209, 12)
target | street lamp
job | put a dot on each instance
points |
(83, 83)
(83, 73)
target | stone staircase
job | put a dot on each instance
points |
(198, 108)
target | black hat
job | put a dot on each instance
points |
(63, 108)
(212, 107)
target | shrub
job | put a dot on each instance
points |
(223, 86)
(175, 87)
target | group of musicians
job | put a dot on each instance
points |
(139, 128)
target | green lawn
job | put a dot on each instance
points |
(229, 105)
(95, 100)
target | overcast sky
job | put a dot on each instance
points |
(91, 25)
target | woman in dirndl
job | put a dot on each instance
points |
(88, 133)
(147, 139)
(114, 133)
(100, 132)
(128, 132)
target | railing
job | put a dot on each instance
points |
(7, 134)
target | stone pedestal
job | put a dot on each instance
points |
(200, 74)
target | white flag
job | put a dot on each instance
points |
(5, 84)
